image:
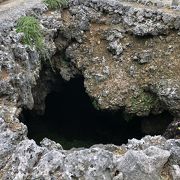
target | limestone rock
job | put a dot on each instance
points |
(99, 162)
(145, 164)
(102, 39)
(49, 144)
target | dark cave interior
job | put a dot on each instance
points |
(71, 120)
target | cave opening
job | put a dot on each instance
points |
(71, 120)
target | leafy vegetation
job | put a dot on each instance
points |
(31, 28)
(55, 4)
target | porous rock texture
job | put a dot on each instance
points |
(128, 53)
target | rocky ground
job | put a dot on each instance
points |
(128, 53)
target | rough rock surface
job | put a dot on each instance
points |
(122, 69)
(128, 53)
(149, 158)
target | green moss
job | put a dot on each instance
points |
(31, 28)
(143, 102)
(55, 4)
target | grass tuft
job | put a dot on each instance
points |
(55, 4)
(31, 28)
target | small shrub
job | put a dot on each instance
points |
(31, 28)
(54, 4)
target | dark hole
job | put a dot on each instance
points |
(116, 173)
(71, 120)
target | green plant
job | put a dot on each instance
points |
(54, 4)
(31, 28)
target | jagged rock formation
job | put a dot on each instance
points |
(137, 74)
(129, 56)
(149, 158)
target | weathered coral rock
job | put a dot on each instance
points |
(144, 159)
(112, 48)
(128, 53)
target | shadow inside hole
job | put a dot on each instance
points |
(71, 120)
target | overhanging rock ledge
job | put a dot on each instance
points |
(128, 53)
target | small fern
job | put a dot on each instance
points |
(55, 4)
(31, 28)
